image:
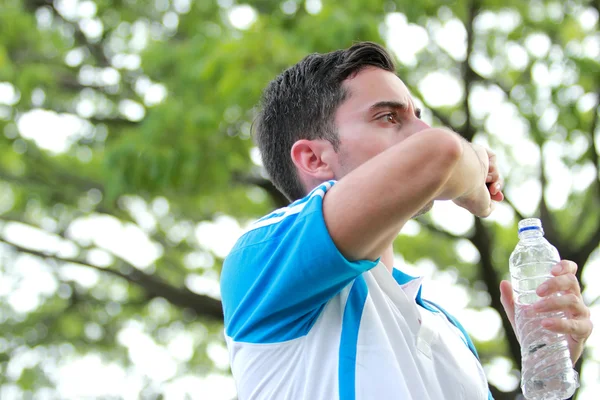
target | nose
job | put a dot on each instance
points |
(419, 125)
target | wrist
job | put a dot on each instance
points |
(482, 157)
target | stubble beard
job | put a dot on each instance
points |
(345, 168)
(423, 210)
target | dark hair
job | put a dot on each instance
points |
(301, 103)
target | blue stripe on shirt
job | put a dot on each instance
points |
(349, 339)
(457, 324)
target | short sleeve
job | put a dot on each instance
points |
(282, 272)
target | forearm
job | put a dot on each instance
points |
(389, 189)
(468, 175)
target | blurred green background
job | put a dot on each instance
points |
(127, 171)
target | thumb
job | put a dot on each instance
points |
(507, 300)
(506, 293)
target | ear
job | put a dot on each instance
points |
(314, 159)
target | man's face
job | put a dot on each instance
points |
(378, 113)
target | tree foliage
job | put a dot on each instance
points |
(136, 116)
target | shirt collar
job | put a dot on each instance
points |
(410, 284)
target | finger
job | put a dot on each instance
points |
(564, 267)
(507, 300)
(496, 184)
(562, 283)
(498, 196)
(579, 329)
(493, 174)
(570, 303)
(494, 188)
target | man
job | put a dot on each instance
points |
(314, 307)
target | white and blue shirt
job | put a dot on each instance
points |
(304, 323)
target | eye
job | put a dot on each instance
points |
(390, 117)
(418, 113)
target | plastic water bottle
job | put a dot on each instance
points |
(546, 368)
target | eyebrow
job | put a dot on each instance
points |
(389, 104)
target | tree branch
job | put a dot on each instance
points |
(71, 84)
(500, 395)
(19, 180)
(594, 150)
(60, 174)
(431, 227)
(547, 222)
(482, 240)
(518, 213)
(468, 74)
(493, 81)
(444, 120)
(95, 49)
(114, 122)
(590, 200)
(582, 254)
(204, 306)
(278, 198)
(57, 192)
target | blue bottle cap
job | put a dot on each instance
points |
(528, 224)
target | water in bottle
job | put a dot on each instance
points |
(546, 368)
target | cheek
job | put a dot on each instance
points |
(358, 153)
(373, 147)
(344, 165)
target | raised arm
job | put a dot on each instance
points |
(367, 208)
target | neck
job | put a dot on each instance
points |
(387, 258)
(530, 235)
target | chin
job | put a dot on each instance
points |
(424, 210)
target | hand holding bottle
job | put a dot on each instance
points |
(578, 325)
(545, 307)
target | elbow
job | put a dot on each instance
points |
(444, 156)
(447, 149)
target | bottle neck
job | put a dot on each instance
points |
(530, 234)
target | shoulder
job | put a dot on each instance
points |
(281, 220)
